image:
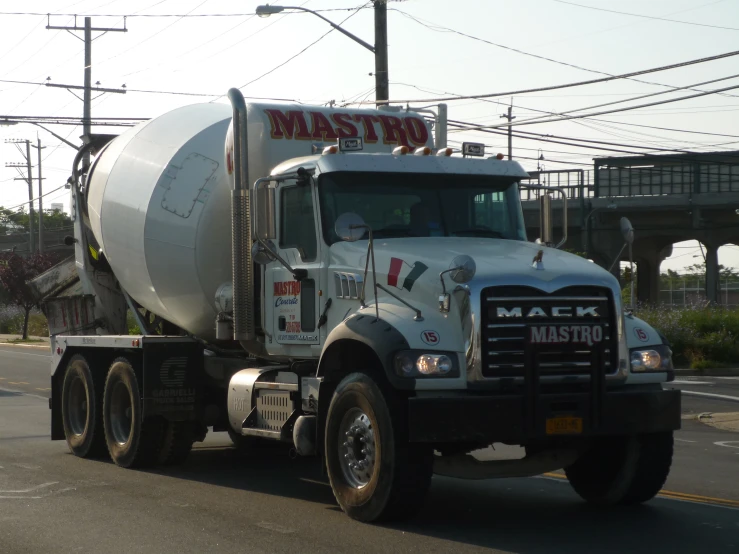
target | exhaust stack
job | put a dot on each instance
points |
(241, 238)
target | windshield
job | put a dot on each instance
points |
(398, 205)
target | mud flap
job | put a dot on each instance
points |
(173, 374)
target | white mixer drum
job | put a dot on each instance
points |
(159, 206)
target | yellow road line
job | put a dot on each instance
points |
(43, 389)
(697, 498)
(678, 495)
(17, 383)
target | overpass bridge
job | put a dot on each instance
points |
(668, 198)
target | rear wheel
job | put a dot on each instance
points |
(132, 442)
(623, 470)
(82, 415)
(374, 472)
(177, 443)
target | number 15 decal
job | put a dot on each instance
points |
(430, 337)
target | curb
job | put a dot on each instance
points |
(45, 346)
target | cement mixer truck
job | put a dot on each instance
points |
(341, 281)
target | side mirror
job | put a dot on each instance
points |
(545, 219)
(464, 269)
(265, 224)
(627, 230)
(260, 255)
(350, 227)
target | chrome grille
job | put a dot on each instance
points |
(513, 316)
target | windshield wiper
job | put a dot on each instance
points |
(390, 232)
(479, 232)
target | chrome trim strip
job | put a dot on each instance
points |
(548, 298)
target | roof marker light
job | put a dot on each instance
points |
(400, 151)
(499, 156)
(423, 151)
(333, 149)
(444, 152)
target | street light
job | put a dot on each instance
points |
(267, 10)
(380, 50)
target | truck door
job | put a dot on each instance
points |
(293, 305)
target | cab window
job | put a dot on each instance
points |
(297, 221)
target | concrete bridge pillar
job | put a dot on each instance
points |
(712, 276)
(647, 279)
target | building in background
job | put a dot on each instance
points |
(57, 206)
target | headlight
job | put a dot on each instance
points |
(425, 364)
(651, 358)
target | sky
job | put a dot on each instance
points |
(436, 48)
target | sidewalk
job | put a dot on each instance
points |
(40, 341)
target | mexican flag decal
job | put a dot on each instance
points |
(402, 271)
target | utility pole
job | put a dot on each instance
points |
(31, 245)
(87, 87)
(29, 179)
(382, 78)
(87, 101)
(40, 198)
(510, 117)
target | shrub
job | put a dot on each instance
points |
(701, 336)
(11, 322)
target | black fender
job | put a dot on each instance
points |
(374, 334)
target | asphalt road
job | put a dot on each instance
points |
(219, 500)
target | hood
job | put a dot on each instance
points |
(413, 265)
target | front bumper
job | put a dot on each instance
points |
(514, 419)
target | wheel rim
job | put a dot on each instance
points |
(357, 448)
(121, 410)
(77, 406)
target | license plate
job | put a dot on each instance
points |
(564, 426)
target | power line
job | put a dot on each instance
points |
(148, 91)
(649, 16)
(680, 156)
(163, 15)
(575, 84)
(34, 199)
(440, 28)
(535, 121)
(355, 12)
(589, 118)
(643, 96)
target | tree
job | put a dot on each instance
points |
(15, 272)
(16, 222)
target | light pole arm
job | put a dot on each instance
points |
(65, 141)
(335, 26)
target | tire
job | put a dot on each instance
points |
(177, 443)
(82, 409)
(131, 441)
(623, 470)
(390, 477)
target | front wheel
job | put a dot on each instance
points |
(623, 470)
(374, 472)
